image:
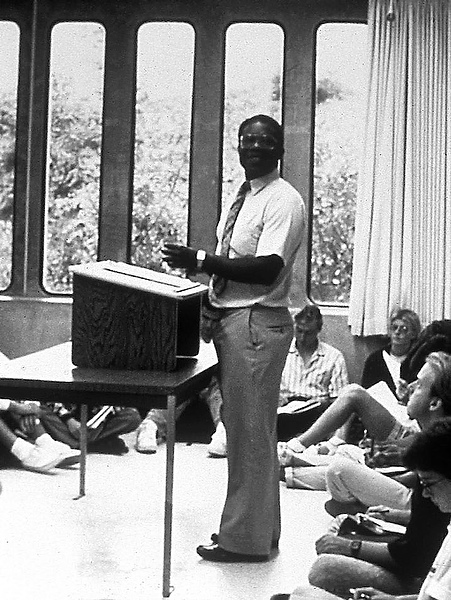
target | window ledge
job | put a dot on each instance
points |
(37, 299)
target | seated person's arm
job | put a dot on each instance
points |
(20, 408)
(392, 515)
(369, 376)
(402, 390)
(24, 413)
(373, 552)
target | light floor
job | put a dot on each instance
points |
(109, 544)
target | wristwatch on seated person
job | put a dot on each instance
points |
(201, 255)
(355, 547)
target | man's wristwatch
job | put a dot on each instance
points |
(201, 255)
(355, 547)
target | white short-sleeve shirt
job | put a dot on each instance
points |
(271, 221)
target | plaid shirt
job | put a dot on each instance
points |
(321, 378)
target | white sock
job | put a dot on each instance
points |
(43, 440)
(21, 449)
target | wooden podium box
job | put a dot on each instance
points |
(129, 317)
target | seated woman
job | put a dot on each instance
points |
(388, 363)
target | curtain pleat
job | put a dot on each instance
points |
(403, 229)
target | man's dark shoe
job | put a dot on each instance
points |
(215, 539)
(215, 553)
(280, 597)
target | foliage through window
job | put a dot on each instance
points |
(9, 64)
(73, 172)
(339, 128)
(162, 140)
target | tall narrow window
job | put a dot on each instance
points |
(253, 85)
(75, 127)
(9, 64)
(165, 65)
(341, 86)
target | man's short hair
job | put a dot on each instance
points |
(440, 362)
(310, 313)
(409, 316)
(275, 127)
(430, 449)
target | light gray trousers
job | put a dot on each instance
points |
(252, 345)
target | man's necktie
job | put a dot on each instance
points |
(219, 283)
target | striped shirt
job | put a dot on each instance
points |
(321, 378)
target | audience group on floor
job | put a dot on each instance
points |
(382, 449)
(383, 452)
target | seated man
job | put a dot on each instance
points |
(430, 456)
(44, 453)
(314, 374)
(107, 423)
(399, 566)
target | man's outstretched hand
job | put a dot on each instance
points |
(180, 257)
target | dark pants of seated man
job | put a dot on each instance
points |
(122, 421)
(291, 425)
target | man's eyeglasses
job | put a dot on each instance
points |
(267, 142)
(401, 328)
(428, 485)
(306, 331)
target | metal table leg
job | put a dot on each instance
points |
(170, 443)
(83, 449)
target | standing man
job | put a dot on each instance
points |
(258, 235)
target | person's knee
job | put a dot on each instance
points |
(341, 467)
(326, 572)
(358, 400)
(132, 418)
(357, 395)
(349, 390)
(340, 478)
(334, 470)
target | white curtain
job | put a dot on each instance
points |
(402, 254)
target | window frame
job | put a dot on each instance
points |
(121, 22)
